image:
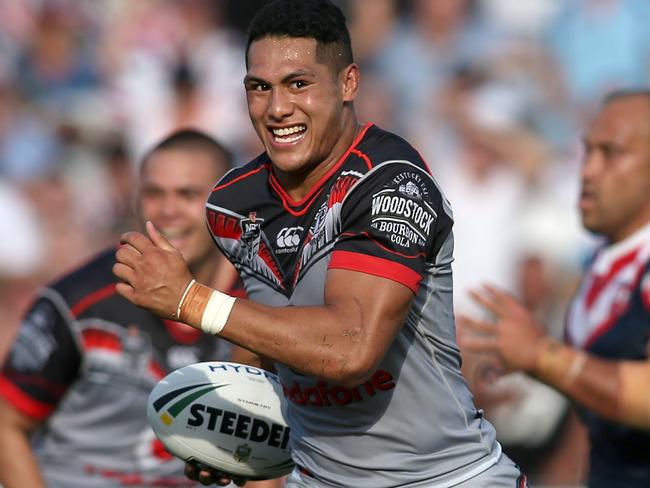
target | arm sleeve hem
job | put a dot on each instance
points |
(384, 268)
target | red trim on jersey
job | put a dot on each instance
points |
(384, 268)
(363, 156)
(286, 204)
(241, 177)
(286, 199)
(182, 333)
(22, 401)
(156, 370)
(92, 298)
(100, 339)
(222, 225)
(615, 312)
(600, 282)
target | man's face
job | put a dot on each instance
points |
(615, 197)
(174, 186)
(295, 102)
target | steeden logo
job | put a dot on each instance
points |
(193, 392)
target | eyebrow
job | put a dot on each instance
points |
(294, 74)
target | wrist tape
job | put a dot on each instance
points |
(202, 306)
(559, 365)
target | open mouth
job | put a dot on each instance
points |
(286, 135)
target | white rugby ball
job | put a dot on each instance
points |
(226, 415)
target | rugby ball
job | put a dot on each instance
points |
(227, 415)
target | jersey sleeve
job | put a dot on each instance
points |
(44, 360)
(391, 224)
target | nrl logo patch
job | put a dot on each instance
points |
(242, 453)
(250, 238)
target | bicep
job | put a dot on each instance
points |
(380, 305)
(12, 419)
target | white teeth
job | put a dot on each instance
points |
(285, 131)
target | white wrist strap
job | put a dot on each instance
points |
(216, 312)
(180, 303)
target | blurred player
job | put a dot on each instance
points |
(344, 243)
(74, 390)
(605, 366)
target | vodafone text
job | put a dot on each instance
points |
(325, 395)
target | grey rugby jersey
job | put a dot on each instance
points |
(84, 362)
(377, 211)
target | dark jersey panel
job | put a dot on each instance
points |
(84, 361)
(43, 361)
(405, 227)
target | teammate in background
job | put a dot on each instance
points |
(74, 390)
(344, 243)
(605, 366)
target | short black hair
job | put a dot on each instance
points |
(193, 139)
(312, 19)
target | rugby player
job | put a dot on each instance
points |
(604, 366)
(74, 390)
(343, 240)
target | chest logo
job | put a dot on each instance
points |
(288, 239)
(250, 238)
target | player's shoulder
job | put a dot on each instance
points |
(244, 175)
(93, 277)
(387, 149)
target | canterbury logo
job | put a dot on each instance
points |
(289, 237)
(193, 392)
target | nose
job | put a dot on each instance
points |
(280, 104)
(591, 165)
(169, 207)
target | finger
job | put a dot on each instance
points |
(128, 255)
(125, 290)
(480, 326)
(124, 273)
(191, 471)
(501, 298)
(138, 241)
(484, 299)
(476, 343)
(239, 481)
(157, 238)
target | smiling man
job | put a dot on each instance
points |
(605, 366)
(74, 390)
(344, 243)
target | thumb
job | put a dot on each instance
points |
(157, 238)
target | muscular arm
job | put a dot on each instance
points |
(18, 466)
(616, 390)
(341, 341)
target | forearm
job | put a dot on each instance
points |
(341, 341)
(616, 390)
(311, 340)
(18, 466)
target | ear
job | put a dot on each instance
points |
(350, 82)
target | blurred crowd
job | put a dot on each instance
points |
(494, 94)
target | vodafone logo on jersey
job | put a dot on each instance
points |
(322, 394)
(288, 239)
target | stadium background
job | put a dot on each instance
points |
(494, 94)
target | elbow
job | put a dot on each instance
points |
(352, 371)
